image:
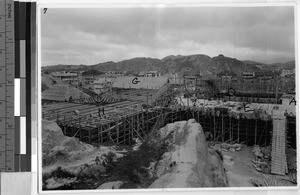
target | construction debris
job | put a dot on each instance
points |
(265, 182)
(262, 159)
(238, 110)
(227, 147)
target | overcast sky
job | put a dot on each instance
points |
(93, 35)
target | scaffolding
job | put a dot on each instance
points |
(124, 121)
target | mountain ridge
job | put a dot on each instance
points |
(199, 63)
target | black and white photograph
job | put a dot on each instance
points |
(156, 97)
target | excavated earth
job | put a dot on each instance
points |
(175, 156)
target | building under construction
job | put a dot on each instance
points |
(141, 111)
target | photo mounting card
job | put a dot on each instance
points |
(167, 97)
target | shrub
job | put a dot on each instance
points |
(133, 167)
(60, 173)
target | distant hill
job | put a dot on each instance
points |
(198, 63)
(249, 62)
(280, 66)
(206, 65)
(61, 67)
(222, 63)
(181, 64)
(48, 81)
(134, 65)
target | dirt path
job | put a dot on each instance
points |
(240, 169)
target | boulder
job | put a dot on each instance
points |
(189, 162)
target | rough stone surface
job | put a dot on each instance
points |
(111, 185)
(70, 155)
(189, 163)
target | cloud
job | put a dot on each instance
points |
(93, 35)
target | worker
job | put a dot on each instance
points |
(76, 112)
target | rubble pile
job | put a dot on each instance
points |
(292, 165)
(262, 161)
(225, 147)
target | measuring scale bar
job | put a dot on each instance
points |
(7, 85)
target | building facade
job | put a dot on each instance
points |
(67, 77)
(227, 77)
(287, 72)
(248, 77)
(102, 85)
(114, 74)
(88, 77)
(151, 73)
(264, 76)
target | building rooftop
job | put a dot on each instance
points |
(264, 73)
(92, 72)
(63, 73)
(62, 93)
(191, 73)
(226, 73)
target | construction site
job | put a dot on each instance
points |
(125, 114)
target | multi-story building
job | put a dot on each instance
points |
(101, 85)
(258, 77)
(287, 72)
(115, 74)
(227, 77)
(88, 77)
(248, 77)
(67, 77)
(151, 73)
(191, 78)
(264, 76)
(174, 78)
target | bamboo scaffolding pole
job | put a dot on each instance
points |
(266, 134)
(101, 131)
(99, 135)
(264, 129)
(215, 128)
(230, 132)
(89, 136)
(222, 127)
(138, 124)
(246, 132)
(255, 139)
(222, 135)
(117, 127)
(132, 133)
(238, 131)
(133, 129)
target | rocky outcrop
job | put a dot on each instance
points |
(65, 159)
(189, 162)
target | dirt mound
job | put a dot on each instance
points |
(59, 148)
(189, 162)
(66, 159)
